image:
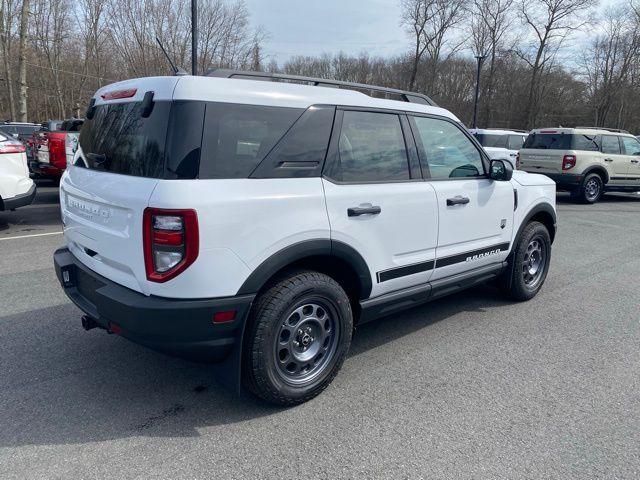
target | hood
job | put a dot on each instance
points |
(531, 179)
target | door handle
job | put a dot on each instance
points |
(457, 200)
(608, 159)
(357, 211)
(634, 161)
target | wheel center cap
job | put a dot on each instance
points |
(306, 340)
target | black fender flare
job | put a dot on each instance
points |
(306, 249)
(599, 169)
(539, 208)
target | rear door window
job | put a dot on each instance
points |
(610, 144)
(371, 148)
(236, 138)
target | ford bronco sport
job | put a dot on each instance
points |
(255, 223)
(585, 161)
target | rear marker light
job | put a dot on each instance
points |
(171, 242)
(568, 162)
(224, 317)
(114, 328)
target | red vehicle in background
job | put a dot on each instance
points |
(52, 146)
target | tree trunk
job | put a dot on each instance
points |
(9, 82)
(22, 62)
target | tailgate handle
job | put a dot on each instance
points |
(457, 200)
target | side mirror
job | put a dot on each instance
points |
(500, 170)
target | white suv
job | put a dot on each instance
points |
(257, 223)
(16, 188)
(500, 144)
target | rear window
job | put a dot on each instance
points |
(492, 140)
(119, 140)
(183, 139)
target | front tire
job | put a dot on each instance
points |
(297, 338)
(530, 263)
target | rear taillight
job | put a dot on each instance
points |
(568, 162)
(57, 154)
(12, 147)
(518, 160)
(171, 242)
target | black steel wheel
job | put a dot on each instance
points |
(297, 338)
(529, 262)
(592, 188)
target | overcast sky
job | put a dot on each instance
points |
(311, 27)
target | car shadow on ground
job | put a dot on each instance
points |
(61, 385)
(565, 198)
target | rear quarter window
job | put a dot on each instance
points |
(492, 140)
(236, 138)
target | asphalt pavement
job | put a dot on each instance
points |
(469, 386)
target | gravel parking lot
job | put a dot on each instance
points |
(468, 386)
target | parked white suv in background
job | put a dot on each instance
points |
(258, 222)
(500, 144)
(16, 188)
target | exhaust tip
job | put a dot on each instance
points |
(88, 323)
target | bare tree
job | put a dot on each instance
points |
(609, 61)
(491, 22)
(550, 22)
(22, 61)
(429, 22)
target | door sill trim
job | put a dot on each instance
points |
(413, 296)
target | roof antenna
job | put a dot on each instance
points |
(176, 70)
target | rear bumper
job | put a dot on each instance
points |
(177, 327)
(45, 169)
(19, 200)
(566, 180)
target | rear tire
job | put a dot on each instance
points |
(297, 338)
(591, 189)
(530, 263)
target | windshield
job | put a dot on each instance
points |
(492, 140)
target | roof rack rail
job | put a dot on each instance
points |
(517, 130)
(614, 130)
(405, 96)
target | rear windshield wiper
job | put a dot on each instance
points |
(97, 159)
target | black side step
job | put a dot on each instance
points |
(399, 300)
